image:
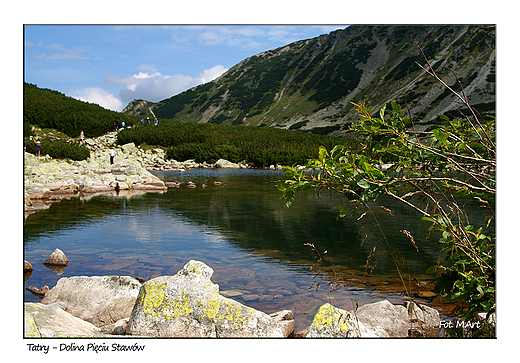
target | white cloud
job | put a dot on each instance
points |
(154, 87)
(210, 74)
(151, 86)
(99, 96)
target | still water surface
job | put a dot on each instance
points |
(241, 229)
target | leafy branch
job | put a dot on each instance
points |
(435, 174)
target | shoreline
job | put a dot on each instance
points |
(48, 180)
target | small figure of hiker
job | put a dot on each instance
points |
(115, 125)
(38, 148)
(81, 137)
(112, 154)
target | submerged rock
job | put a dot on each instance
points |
(188, 304)
(38, 292)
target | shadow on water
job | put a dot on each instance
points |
(242, 229)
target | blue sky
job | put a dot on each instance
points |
(113, 65)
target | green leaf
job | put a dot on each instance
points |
(289, 197)
(322, 154)
(382, 112)
(439, 135)
(459, 284)
(443, 117)
(487, 305)
(479, 289)
(363, 183)
(431, 269)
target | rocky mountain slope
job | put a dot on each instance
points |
(309, 85)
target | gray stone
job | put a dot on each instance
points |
(188, 304)
(100, 300)
(51, 321)
(383, 314)
(38, 193)
(38, 292)
(27, 266)
(424, 315)
(57, 258)
(118, 328)
(225, 164)
(286, 319)
(129, 148)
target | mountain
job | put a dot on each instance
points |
(308, 85)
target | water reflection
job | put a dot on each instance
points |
(241, 229)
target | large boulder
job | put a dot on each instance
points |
(129, 148)
(333, 322)
(385, 315)
(51, 321)
(189, 305)
(100, 300)
(422, 316)
(225, 164)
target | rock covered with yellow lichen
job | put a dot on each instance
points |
(188, 304)
(333, 322)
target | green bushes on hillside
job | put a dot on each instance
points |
(210, 142)
(59, 149)
(51, 109)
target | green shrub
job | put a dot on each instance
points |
(59, 149)
(209, 142)
(51, 109)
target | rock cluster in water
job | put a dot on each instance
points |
(189, 304)
(47, 179)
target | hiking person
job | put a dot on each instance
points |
(112, 155)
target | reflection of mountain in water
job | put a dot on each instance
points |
(247, 213)
(256, 220)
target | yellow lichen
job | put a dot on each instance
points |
(233, 314)
(152, 297)
(329, 316)
(181, 306)
(212, 305)
(31, 329)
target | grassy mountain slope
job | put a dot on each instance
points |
(308, 85)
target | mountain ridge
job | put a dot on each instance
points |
(309, 85)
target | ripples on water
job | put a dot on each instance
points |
(241, 229)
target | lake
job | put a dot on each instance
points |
(241, 229)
